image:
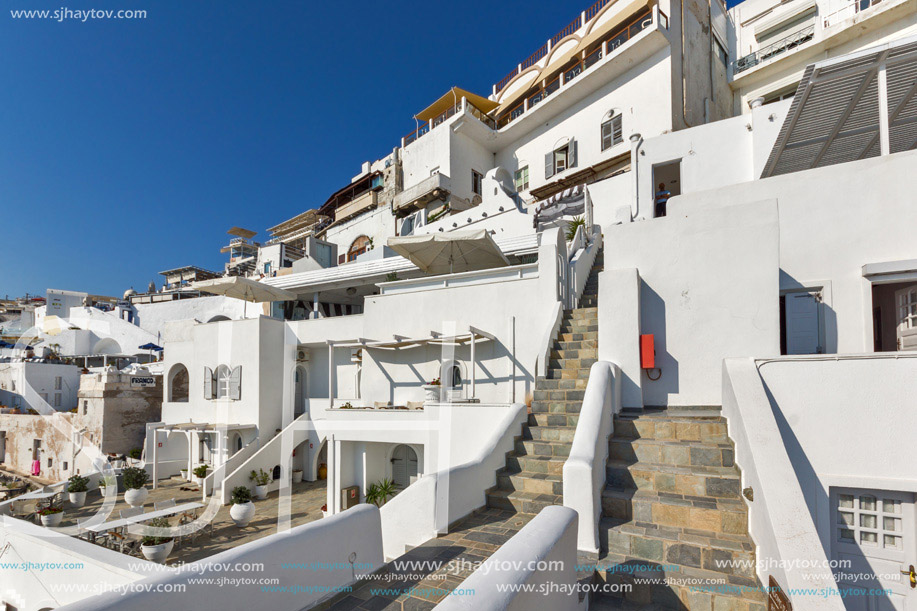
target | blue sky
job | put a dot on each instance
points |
(130, 146)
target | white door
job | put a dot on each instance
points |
(404, 466)
(906, 308)
(802, 315)
(873, 543)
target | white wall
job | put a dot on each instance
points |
(378, 224)
(33, 385)
(152, 316)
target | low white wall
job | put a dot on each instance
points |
(778, 520)
(541, 556)
(428, 506)
(352, 537)
(619, 330)
(584, 469)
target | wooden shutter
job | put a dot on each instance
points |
(400, 467)
(209, 383)
(235, 383)
(571, 154)
(549, 165)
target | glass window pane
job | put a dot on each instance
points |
(845, 518)
(846, 535)
(868, 538)
(845, 500)
(891, 524)
(867, 503)
(891, 506)
(868, 521)
(892, 542)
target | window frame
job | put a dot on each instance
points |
(521, 179)
(610, 123)
(477, 182)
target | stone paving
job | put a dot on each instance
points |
(449, 559)
(306, 503)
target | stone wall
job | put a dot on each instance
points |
(115, 412)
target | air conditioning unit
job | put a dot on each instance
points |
(302, 355)
(350, 496)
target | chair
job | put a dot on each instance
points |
(415, 405)
(19, 509)
(130, 513)
(381, 404)
(164, 504)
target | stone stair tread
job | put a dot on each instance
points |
(716, 540)
(511, 472)
(607, 562)
(688, 443)
(674, 412)
(721, 472)
(554, 499)
(685, 416)
(671, 498)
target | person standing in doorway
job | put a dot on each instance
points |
(662, 198)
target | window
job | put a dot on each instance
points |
(477, 180)
(57, 383)
(612, 132)
(358, 247)
(57, 399)
(560, 159)
(85, 407)
(13, 385)
(224, 379)
(521, 179)
(720, 52)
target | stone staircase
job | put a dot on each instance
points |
(673, 515)
(533, 476)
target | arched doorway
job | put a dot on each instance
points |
(300, 392)
(235, 443)
(358, 247)
(404, 465)
(179, 384)
(453, 379)
(218, 318)
(107, 345)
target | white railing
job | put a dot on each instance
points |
(581, 264)
(769, 473)
(547, 340)
(584, 470)
(848, 11)
(484, 276)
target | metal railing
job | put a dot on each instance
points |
(781, 46)
(571, 27)
(853, 8)
(426, 126)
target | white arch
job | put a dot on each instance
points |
(107, 345)
(177, 369)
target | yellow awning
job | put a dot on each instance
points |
(450, 99)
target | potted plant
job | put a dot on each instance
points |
(297, 476)
(379, 493)
(242, 510)
(77, 488)
(184, 473)
(261, 479)
(156, 548)
(51, 515)
(135, 492)
(432, 390)
(108, 485)
(200, 473)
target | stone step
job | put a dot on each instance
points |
(535, 464)
(559, 395)
(531, 447)
(556, 407)
(578, 336)
(701, 513)
(579, 313)
(721, 553)
(579, 327)
(569, 383)
(568, 374)
(560, 433)
(574, 363)
(546, 419)
(677, 453)
(700, 411)
(672, 428)
(525, 481)
(717, 482)
(582, 353)
(575, 345)
(525, 502)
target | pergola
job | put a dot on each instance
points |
(401, 342)
(194, 431)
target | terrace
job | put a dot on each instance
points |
(453, 102)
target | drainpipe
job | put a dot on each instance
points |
(636, 140)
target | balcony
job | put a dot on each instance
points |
(361, 203)
(462, 105)
(781, 46)
(437, 186)
(851, 10)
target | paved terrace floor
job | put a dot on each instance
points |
(305, 507)
(442, 565)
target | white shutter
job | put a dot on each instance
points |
(209, 383)
(549, 165)
(571, 154)
(235, 383)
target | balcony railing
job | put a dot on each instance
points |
(617, 38)
(425, 127)
(781, 46)
(853, 8)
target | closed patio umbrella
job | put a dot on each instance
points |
(244, 288)
(446, 253)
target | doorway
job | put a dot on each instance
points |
(894, 318)
(300, 393)
(802, 323)
(666, 184)
(873, 536)
(404, 466)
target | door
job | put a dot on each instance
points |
(906, 307)
(873, 546)
(404, 466)
(299, 399)
(803, 323)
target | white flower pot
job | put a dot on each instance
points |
(52, 519)
(242, 513)
(297, 476)
(199, 481)
(431, 393)
(261, 492)
(136, 497)
(157, 553)
(184, 474)
(77, 499)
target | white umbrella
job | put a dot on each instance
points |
(243, 288)
(456, 251)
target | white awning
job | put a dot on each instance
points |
(453, 252)
(244, 288)
(837, 113)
